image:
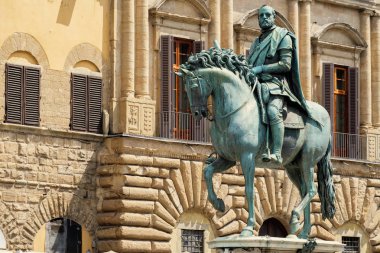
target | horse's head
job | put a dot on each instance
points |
(197, 92)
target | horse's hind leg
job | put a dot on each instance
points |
(248, 166)
(219, 165)
(294, 174)
(308, 191)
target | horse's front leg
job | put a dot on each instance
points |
(219, 165)
(248, 166)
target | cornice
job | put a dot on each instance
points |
(355, 4)
(331, 45)
(179, 18)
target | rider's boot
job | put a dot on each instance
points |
(277, 141)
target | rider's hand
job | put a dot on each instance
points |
(257, 70)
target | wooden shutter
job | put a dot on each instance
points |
(13, 94)
(78, 102)
(94, 104)
(167, 79)
(353, 101)
(166, 72)
(328, 89)
(32, 96)
(198, 46)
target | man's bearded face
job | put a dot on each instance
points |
(266, 17)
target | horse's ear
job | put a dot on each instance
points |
(216, 45)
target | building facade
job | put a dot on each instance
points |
(98, 151)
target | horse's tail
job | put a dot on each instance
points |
(326, 189)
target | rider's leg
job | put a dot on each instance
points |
(274, 110)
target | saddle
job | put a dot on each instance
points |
(293, 117)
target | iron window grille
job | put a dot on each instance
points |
(352, 244)
(192, 241)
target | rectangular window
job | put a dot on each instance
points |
(86, 103)
(340, 100)
(176, 120)
(22, 95)
(192, 241)
(352, 244)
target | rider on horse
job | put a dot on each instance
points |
(273, 58)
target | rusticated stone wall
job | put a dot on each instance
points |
(145, 185)
(45, 174)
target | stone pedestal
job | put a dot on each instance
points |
(260, 244)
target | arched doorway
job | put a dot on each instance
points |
(272, 227)
(62, 235)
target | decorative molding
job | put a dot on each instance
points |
(24, 42)
(351, 32)
(198, 4)
(139, 115)
(355, 4)
(179, 18)
(240, 24)
(84, 52)
(58, 205)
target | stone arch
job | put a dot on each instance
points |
(9, 227)
(24, 42)
(351, 33)
(198, 5)
(246, 20)
(84, 52)
(57, 205)
(356, 202)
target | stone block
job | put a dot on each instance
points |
(30, 176)
(161, 247)
(33, 160)
(11, 148)
(65, 179)
(17, 174)
(43, 151)
(43, 177)
(23, 149)
(138, 181)
(9, 196)
(140, 193)
(72, 154)
(62, 154)
(130, 219)
(166, 162)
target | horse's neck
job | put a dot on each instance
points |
(229, 94)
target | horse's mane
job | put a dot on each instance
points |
(221, 58)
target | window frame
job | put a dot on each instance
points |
(338, 92)
(348, 240)
(29, 116)
(202, 241)
(87, 125)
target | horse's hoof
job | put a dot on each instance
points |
(247, 231)
(219, 205)
(294, 227)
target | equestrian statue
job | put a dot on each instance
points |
(261, 118)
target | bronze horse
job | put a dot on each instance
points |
(238, 134)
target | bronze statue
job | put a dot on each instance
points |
(239, 131)
(273, 58)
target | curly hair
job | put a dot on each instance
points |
(221, 58)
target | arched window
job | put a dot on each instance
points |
(273, 228)
(62, 235)
(22, 89)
